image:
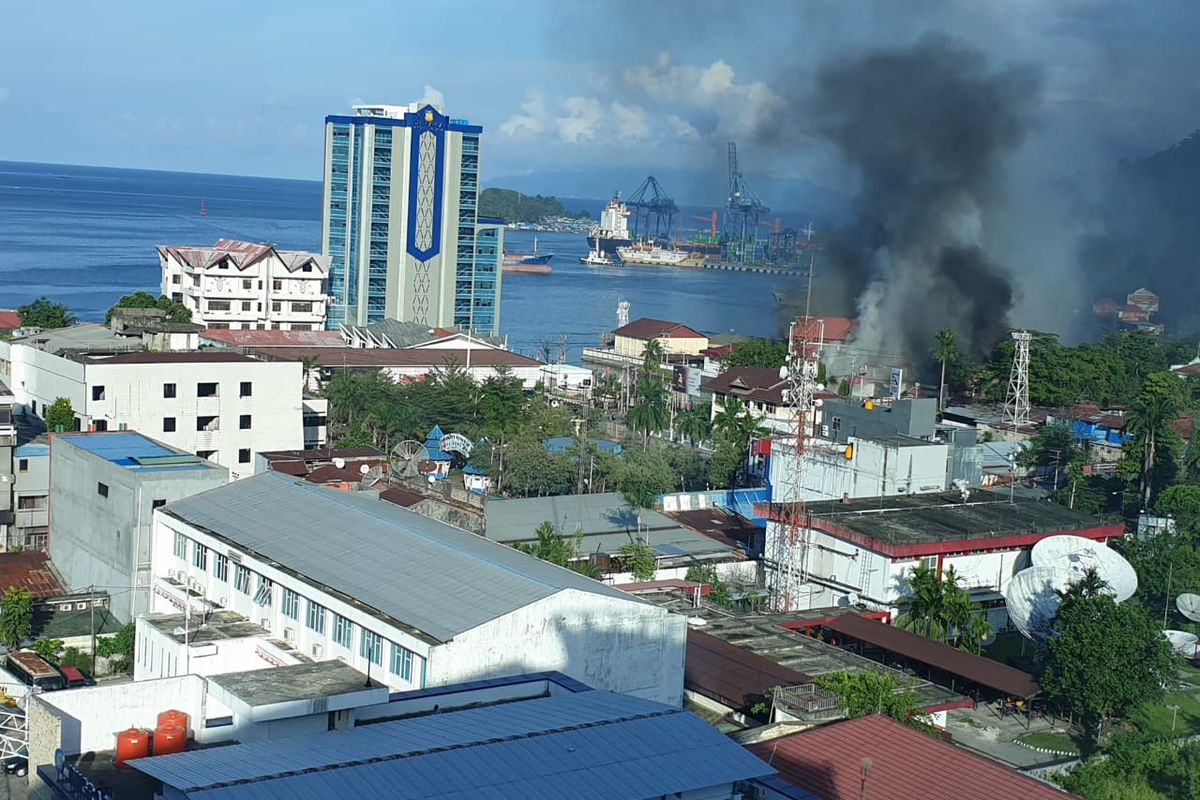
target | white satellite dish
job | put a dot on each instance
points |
(1182, 642)
(363, 469)
(1078, 555)
(1032, 599)
(1189, 606)
(697, 622)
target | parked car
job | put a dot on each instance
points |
(17, 765)
(76, 677)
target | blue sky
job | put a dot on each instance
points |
(242, 88)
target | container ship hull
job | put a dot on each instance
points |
(607, 244)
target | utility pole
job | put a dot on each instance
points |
(580, 430)
(1167, 598)
(92, 611)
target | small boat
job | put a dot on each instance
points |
(203, 208)
(535, 262)
(598, 258)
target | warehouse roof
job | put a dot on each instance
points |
(966, 666)
(438, 579)
(647, 328)
(214, 356)
(29, 570)
(942, 522)
(586, 745)
(906, 764)
(79, 338)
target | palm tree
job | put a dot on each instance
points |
(650, 413)
(945, 351)
(310, 376)
(1156, 406)
(652, 356)
(695, 424)
(926, 604)
(608, 387)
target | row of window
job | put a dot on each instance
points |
(342, 631)
(208, 422)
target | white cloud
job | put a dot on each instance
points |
(681, 127)
(433, 97)
(631, 121)
(531, 120)
(4, 93)
(581, 121)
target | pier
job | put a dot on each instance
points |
(733, 267)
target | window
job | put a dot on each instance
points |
(276, 306)
(218, 305)
(244, 455)
(180, 546)
(343, 630)
(102, 489)
(100, 424)
(306, 268)
(370, 647)
(302, 308)
(315, 618)
(208, 423)
(244, 422)
(241, 579)
(291, 604)
(159, 503)
(199, 556)
(930, 562)
(247, 283)
(168, 424)
(97, 392)
(208, 455)
(220, 566)
(206, 390)
(23, 464)
(262, 595)
(168, 390)
(277, 285)
(247, 305)
(246, 389)
(32, 503)
(402, 662)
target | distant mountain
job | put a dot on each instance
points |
(790, 197)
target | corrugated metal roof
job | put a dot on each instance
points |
(586, 745)
(439, 579)
(128, 449)
(605, 512)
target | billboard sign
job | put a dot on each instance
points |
(896, 383)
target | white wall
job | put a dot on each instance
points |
(874, 469)
(35, 376)
(607, 643)
(159, 655)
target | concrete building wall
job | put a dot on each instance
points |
(671, 345)
(106, 540)
(38, 378)
(31, 496)
(606, 643)
(874, 468)
(159, 655)
(901, 418)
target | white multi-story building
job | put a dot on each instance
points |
(241, 285)
(220, 405)
(412, 601)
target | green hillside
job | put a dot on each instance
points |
(516, 207)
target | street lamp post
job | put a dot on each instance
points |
(1174, 715)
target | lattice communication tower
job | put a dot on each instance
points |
(1016, 406)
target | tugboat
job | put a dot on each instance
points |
(612, 231)
(535, 262)
(598, 258)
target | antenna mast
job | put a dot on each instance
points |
(1016, 406)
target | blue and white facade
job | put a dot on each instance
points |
(399, 220)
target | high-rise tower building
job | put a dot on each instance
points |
(399, 221)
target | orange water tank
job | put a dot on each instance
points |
(169, 739)
(174, 717)
(132, 743)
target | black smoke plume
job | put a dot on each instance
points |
(927, 128)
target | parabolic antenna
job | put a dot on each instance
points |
(1182, 642)
(1079, 555)
(1032, 599)
(1189, 606)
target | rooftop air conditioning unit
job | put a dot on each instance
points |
(318, 651)
(224, 601)
(289, 634)
(266, 623)
(196, 585)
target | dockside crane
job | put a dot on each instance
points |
(652, 211)
(745, 211)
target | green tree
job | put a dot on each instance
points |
(1182, 502)
(42, 313)
(1166, 565)
(640, 486)
(652, 357)
(945, 351)
(1157, 405)
(757, 353)
(48, 649)
(558, 549)
(639, 560)
(695, 424)
(725, 464)
(1105, 659)
(650, 413)
(60, 416)
(118, 648)
(16, 616)
(718, 590)
(936, 607)
(608, 388)
(736, 425)
(867, 692)
(310, 372)
(175, 312)
(514, 206)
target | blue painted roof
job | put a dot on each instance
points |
(126, 448)
(471, 469)
(33, 450)
(591, 745)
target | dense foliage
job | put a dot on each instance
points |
(516, 207)
(175, 312)
(1138, 770)
(42, 313)
(552, 546)
(16, 616)
(757, 353)
(118, 648)
(936, 607)
(866, 692)
(60, 416)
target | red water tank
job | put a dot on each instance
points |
(174, 717)
(169, 739)
(132, 743)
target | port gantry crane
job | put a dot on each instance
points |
(745, 211)
(652, 211)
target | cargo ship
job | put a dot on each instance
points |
(613, 230)
(535, 262)
(653, 256)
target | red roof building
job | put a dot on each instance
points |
(1144, 299)
(1132, 313)
(647, 329)
(29, 570)
(1105, 307)
(878, 757)
(9, 320)
(833, 330)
